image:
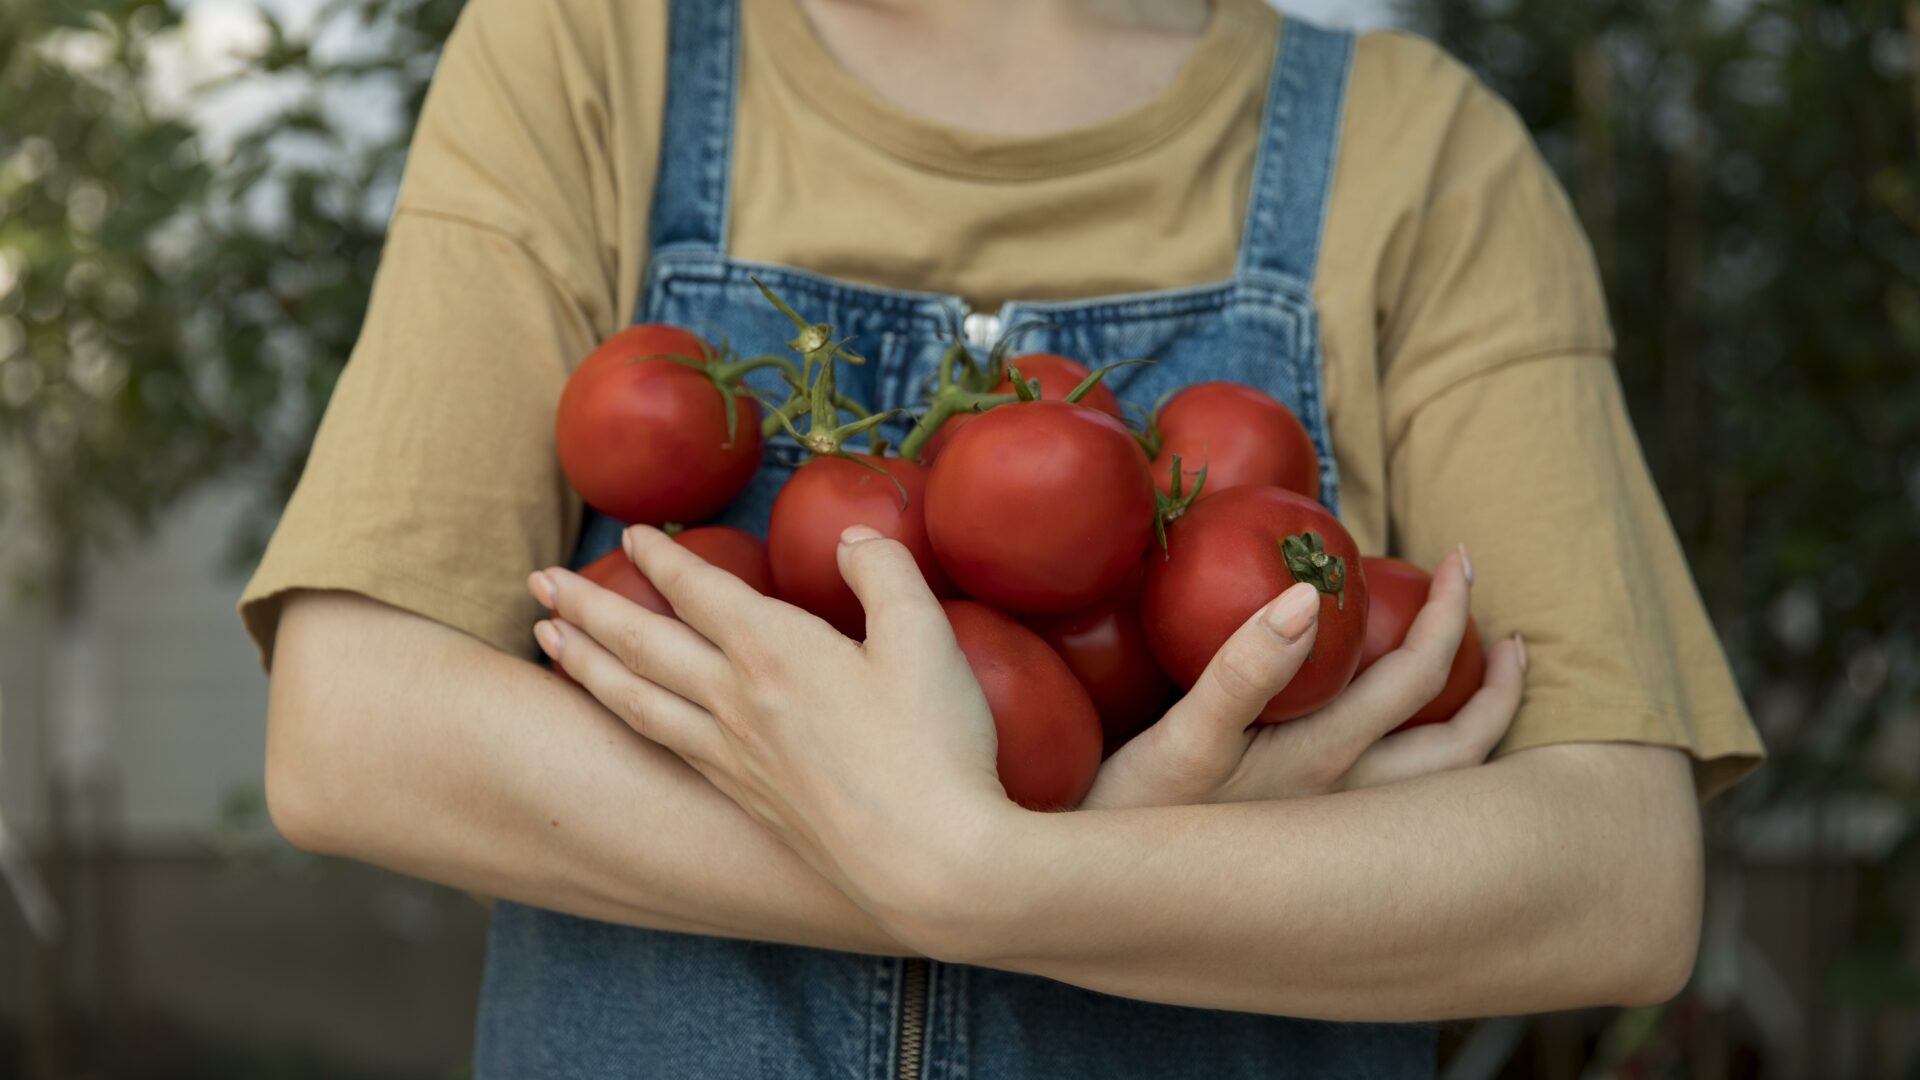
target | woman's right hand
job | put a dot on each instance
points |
(1208, 749)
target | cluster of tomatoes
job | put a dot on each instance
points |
(1089, 572)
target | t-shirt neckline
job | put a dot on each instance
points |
(812, 73)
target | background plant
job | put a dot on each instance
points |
(1750, 176)
(174, 309)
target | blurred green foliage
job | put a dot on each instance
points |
(1750, 175)
(105, 415)
(172, 310)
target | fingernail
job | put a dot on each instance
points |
(1522, 644)
(542, 586)
(1466, 563)
(548, 635)
(1294, 612)
(626, 542)
(856, 534)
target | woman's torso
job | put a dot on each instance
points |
(572, 997)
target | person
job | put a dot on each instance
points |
(775, 852)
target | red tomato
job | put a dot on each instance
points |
(1040, 506)
(1048, 730)
(1396, 591)
(1107, 651)
(1058, 376)
(1244, 437)
(645, 440)
(824, 497)
(739, 553)
(1225, 560)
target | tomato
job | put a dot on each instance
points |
(1058, 376)
(824, 497)
(1396, 591)
(733, 550)
(1040, 506)
(1106, 649)
(645, 440)
(1244, 437)
(1049, 733)
(1225, 560)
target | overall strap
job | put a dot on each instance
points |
(690, 197)
(1299, 139)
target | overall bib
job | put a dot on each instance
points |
(570, 997)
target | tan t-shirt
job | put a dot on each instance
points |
(1468, 356)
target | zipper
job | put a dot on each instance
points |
(913, 1014)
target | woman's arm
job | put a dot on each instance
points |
(1555, 878)
(397, 741)
(1563, 876)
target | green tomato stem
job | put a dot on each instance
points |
(1171, 505)
(735, 370)
(1307, 560)
(1093, 379)
(947, 404)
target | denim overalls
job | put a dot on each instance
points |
(569, 997)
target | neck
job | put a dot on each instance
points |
(1180, 16)
(1011, 67)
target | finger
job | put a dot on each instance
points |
(1483, 721)
(901, 608)
(656, 647)
(1252, 666)
(1402, 681)
(1465, 739)
(653, 711)
(712, 601)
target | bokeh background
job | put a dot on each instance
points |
(192, 200)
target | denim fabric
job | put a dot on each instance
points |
(570, 997)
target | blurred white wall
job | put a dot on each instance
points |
(181, 698)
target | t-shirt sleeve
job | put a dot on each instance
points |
(433, 483)
(1507, 430)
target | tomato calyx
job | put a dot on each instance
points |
(818, 353)
(724, 368)
(963, 385)
(816, 398)
(1029, 389)
(1169, 505)
(1092, 380)
(958, 391)
(1307, 560)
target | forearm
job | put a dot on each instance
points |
(399, 742)
(1546, 880)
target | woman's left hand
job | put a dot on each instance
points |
(872, 761)
(1208, 747)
